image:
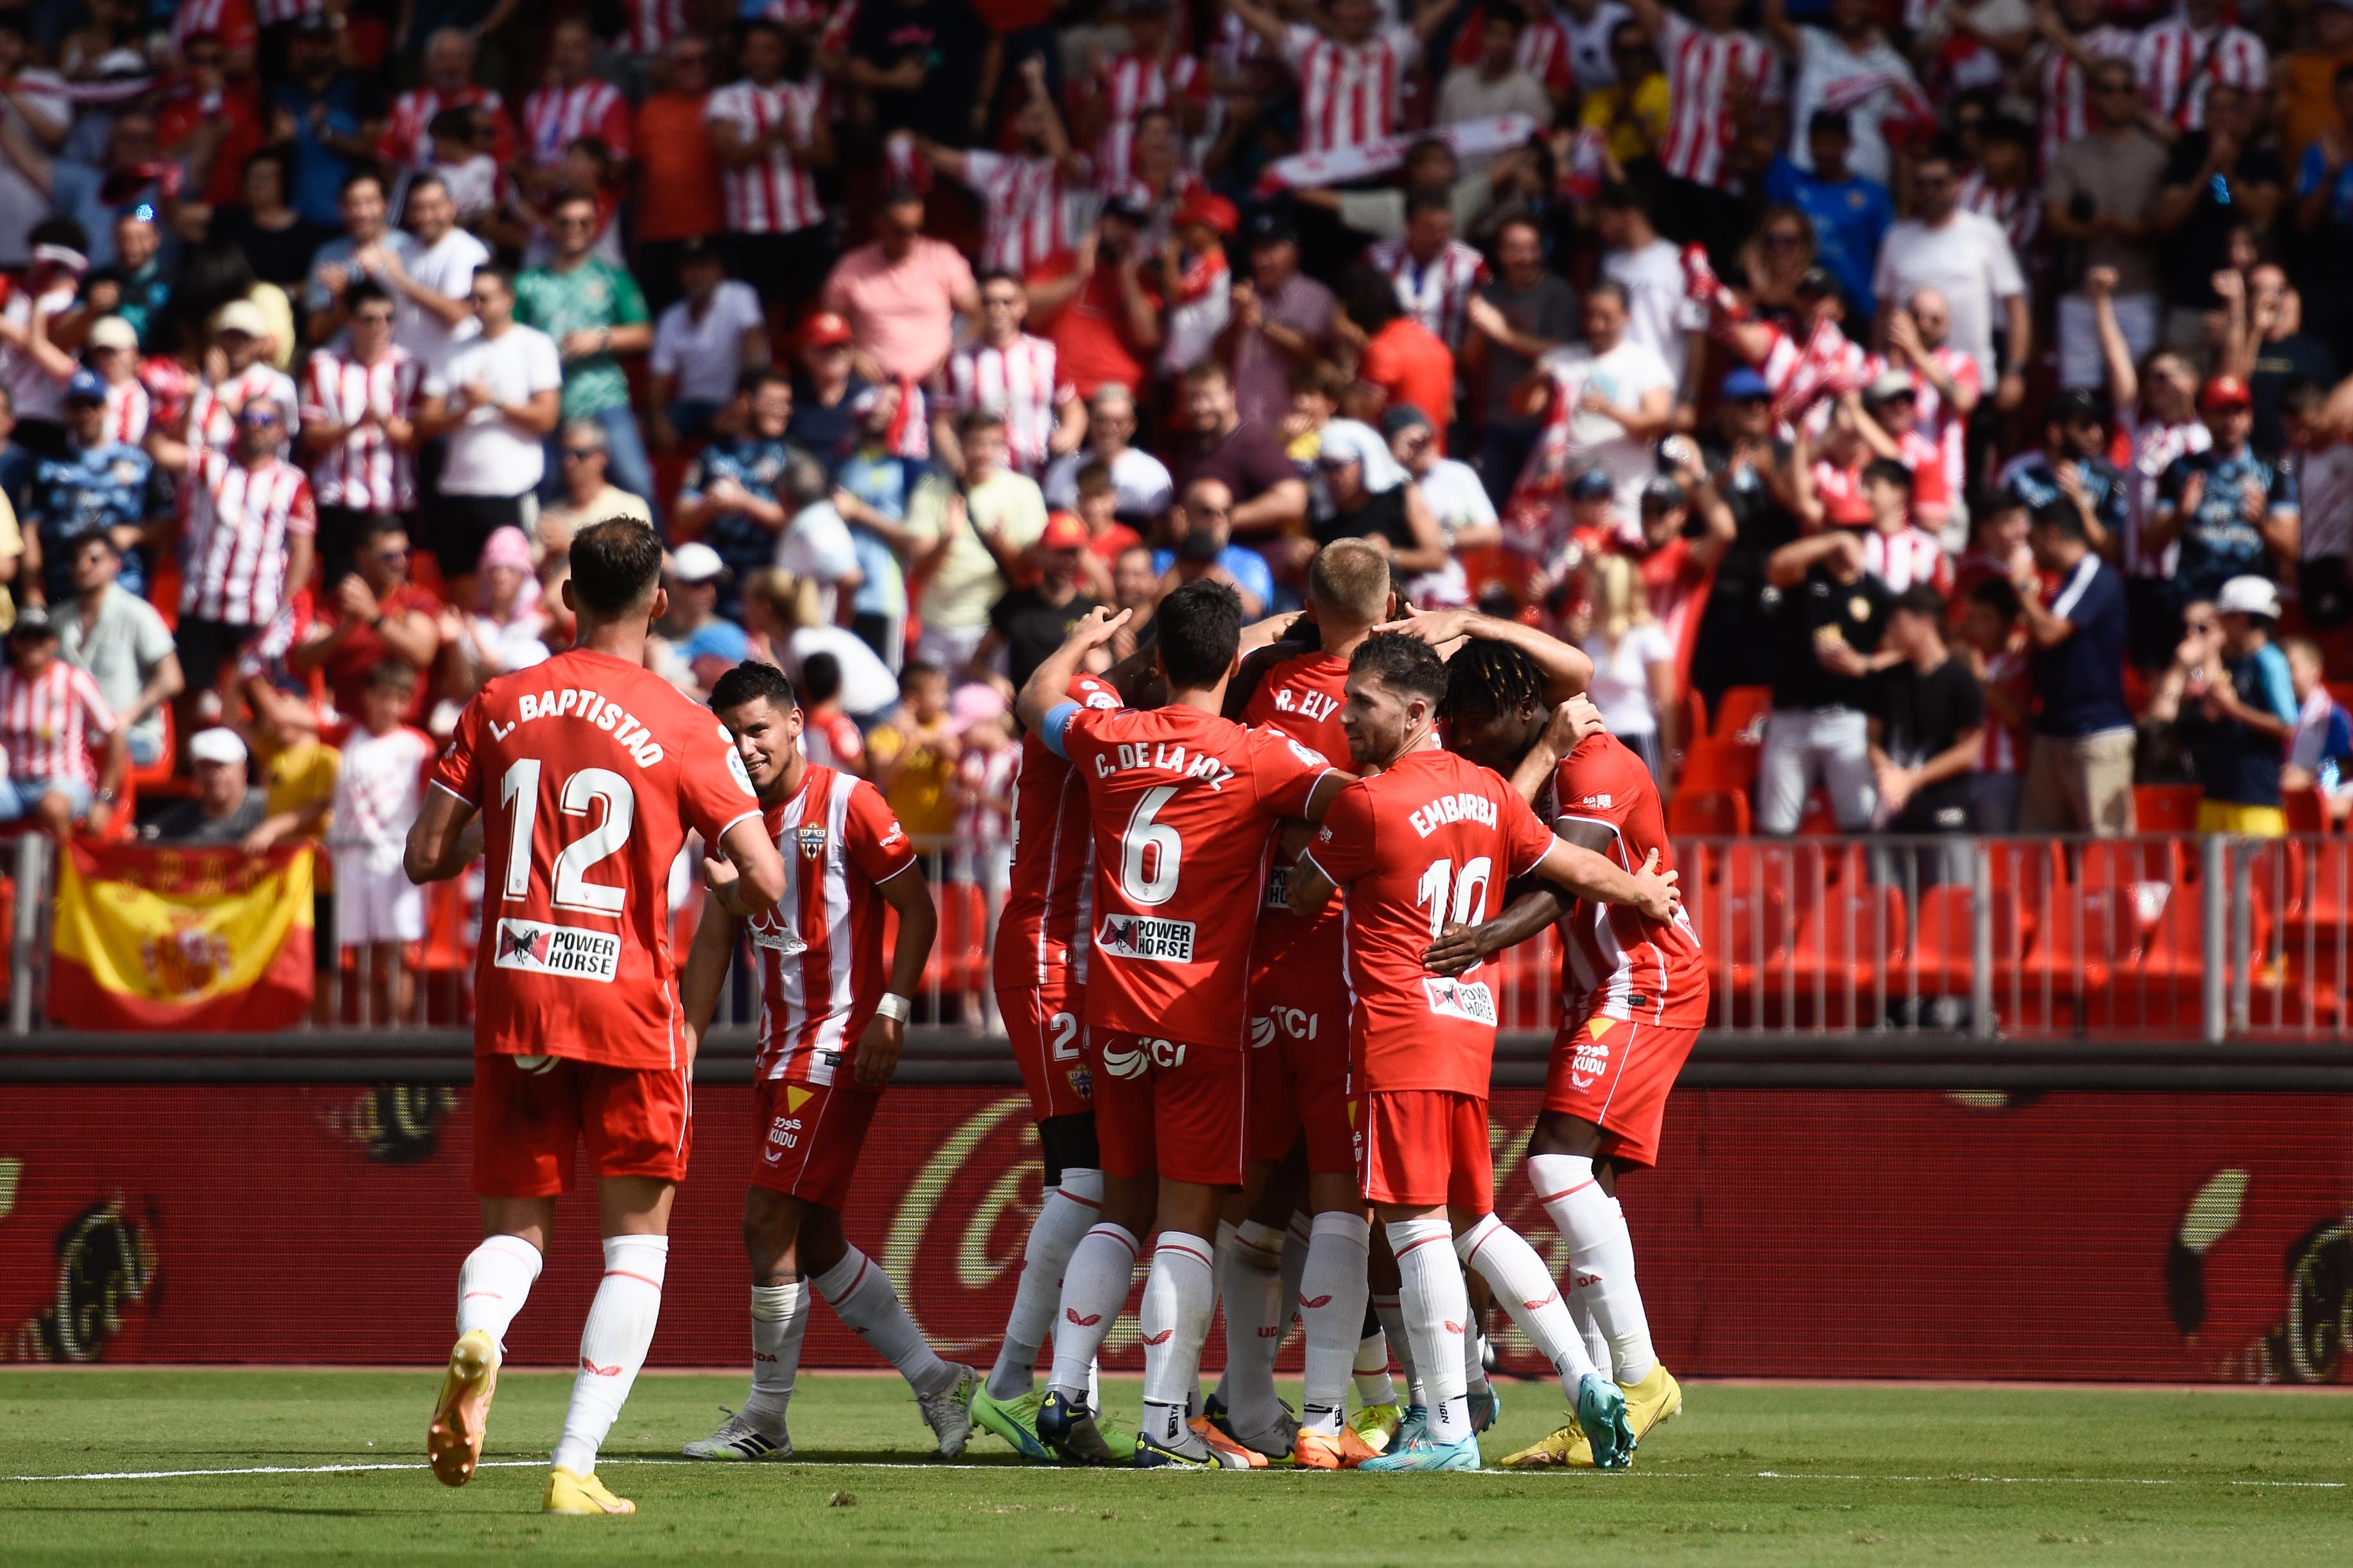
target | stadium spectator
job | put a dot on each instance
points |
(33, 367)
(1141, 487)
(2221, 179)
(1626, 100)
(574, 103)
(980, 546)
(815, 547)
(227, 809)
(1458, 503)
(359, 408)
(2079, 766)
(1433, 272)
(912, 756)
(876, 489)
(1031, 622)
(506, 630)
(702, 347)
(1008, 372)
(120, 640)
(1851, 69)
(2101, 195)
(595, 313)
(1200, 533)
(782, 610)
(1850, 214)
(1098, 304)
(1633, 663)
(681, 199)
(1398, 358)
(826, 384)
(918, 64)
(372, 614)
(37, 115)
(2231, 511)
(430, 275)
(111, 348)
(331, 115)
(1966, 259)
(1927, 733)
(770, 136)
(2235, 705)
(704, 645)
(366, 248)
(730, 497)
(588, 495)
(1612, 396)
(1282, 318)
(446, 83)
(1830, 630)
(97, 485)
(2073, 463)
(379, 787)
(265, 227)
(52, 717)
(496, 397)
(2265, 346)
(830, 736)
(141, 285)
(2320, 755)
(900, 292)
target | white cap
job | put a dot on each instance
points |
(242, 316)
(696, 563)
(2249, 595)
(217, 744)
(114, 332)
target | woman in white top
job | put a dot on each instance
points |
(1633, 663)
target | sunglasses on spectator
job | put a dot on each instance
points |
(257, 417)
(393, 557)
(582, 453)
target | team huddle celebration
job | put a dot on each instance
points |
(1291, 1108)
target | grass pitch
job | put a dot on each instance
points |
(1749, 1475)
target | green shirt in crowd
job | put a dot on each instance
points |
(591, 295)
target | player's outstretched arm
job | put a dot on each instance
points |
(1461, 947)
(1591, 876)
(919, 923)
(438, 845)
(705, 976)
(1050, 684)
(759, 869)
(1566, 671)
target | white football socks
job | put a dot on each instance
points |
(780, 1320)
(1179, 1296)
(613, 1344)
(1437, 1311)
(1064, 1217)
(1580, 1310)
(1390, 1310)
(1525, 1288)
(1251, 1287)
(1297, 1239)
(1601, 1256)
(1330, 1298)
(1094, 1289)
(1373, 1384)
(862, 1297)
(492, 1285)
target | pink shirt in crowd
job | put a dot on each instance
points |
(902, 312)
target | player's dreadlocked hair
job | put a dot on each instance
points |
(1496, 678)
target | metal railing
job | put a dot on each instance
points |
(2155, 938)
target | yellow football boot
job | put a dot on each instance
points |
(453, 1440)
(571, 1493)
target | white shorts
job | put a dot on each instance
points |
(373, 905)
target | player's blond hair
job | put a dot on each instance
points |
(1349, 581)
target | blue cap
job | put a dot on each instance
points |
(87, 384)
(1744, 384)
(1590, 485)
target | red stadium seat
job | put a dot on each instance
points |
(1744, 930)
(1741, 711)
(1714, 814)
(1716, 765)
(2306, 810)
(1847, 944)
(2167, 808)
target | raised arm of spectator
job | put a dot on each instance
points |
(1072, 164)
(2115, 350)
(1798, 476)
(1263, 22)
(1787, 567)
(1489, 325)
(1144, 329)
(32, 160)
(1070, 430)
(1773, 15)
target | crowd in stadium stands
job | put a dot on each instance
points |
(1927, 414)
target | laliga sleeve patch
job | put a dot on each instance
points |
(735, 770)
(1308, 754)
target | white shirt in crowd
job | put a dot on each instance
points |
(488, 456)
(378, 790)
(1660, 312)
(1967, 260)
(1458, 501)
(815, 547)
(1622, 678)
(867, 686)
(1870, 87)
(1139, 479)
(445, 267)
(707, 354)
(1622, 376)
(33, 392)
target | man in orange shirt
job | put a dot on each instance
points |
(1406, 360)
(678, 190)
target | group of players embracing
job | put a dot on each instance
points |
(1246, 987)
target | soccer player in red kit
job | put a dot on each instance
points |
(1299, 1051)
(1183, 803)
(831, 1026)
(1039, 971)
(1428, 840)
(1634, 995)
(588, 771)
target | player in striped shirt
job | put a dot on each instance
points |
(1435, 273)
(574, 103)
(1026, 195)
(832, 1022)
(359, 411)
(769, 133)
(1718, 77)
(1006, 372)
(51, 713)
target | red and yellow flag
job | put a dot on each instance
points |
(149, 937)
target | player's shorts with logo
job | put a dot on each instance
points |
(1617, 1075)
(808, 1137)
(1299, 1045)
(1424, 1147)
(530, 1120)
(1047, 1024)
(1170, 1108)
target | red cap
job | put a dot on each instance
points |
(824, 330)
(1208, 208)
(1064, 532)
(2225, 392)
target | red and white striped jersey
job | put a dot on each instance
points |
(1050, 893)
(1924, 456)
(2153, 446)
(1615, 963)
(982, 778)
(1023, 222)
(127, 407)
(407, 133)
(1018, 383)
(239, 520)
(1901, 559)
(363, 471)
(1838, 488)
(48, 723)
(820, 950)
(231, 21)
(1436, 293)
(1704, 70)
(1826, 365)
(2178, 64)
(1349, 94)
(774, 196)
(2002, 751)
(1125, 85)
(212, 409)
(1940, 421)
(2066, 91)
(2018, 213)
(832, 741)
(556, 116)
(652, 23)
(1544, 54)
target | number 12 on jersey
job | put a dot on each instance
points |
(519, 792)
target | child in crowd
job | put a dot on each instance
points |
(379, 789)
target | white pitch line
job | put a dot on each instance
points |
(933, 1464)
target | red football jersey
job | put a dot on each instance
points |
(1050, 889)
(1299, 697)
(1427, 843)
(1615, 963)
(820, 950)
(1183, 804)
(588, 771)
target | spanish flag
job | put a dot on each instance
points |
(149, 937)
